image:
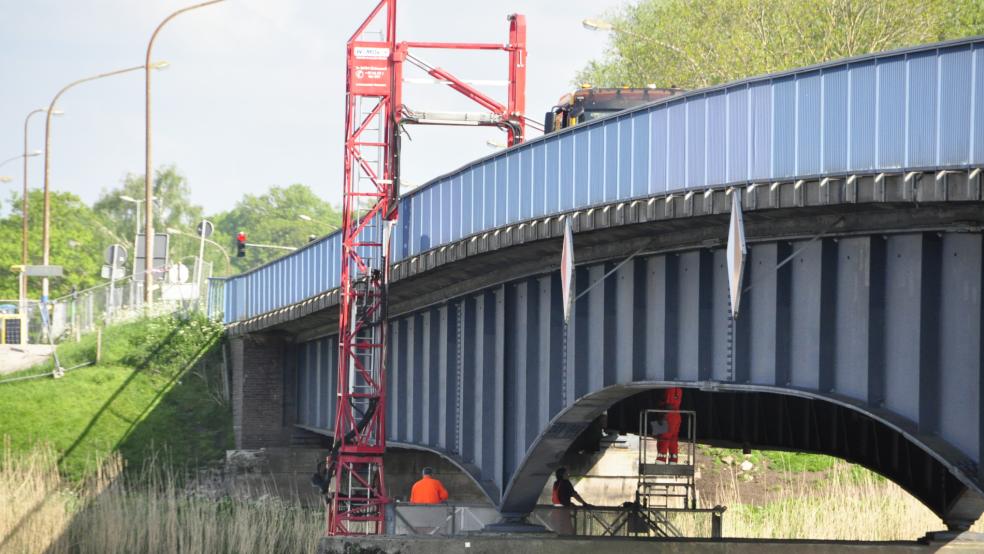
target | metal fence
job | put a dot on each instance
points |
(75, 314)
(448, 520)
(893, 112)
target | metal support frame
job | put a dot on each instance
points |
(373, 116)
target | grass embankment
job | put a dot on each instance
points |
(157, 393)
(97, 461)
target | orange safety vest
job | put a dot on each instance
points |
(428, 491)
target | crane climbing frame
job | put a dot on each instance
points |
(374, 117)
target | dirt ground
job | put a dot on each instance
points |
(757, 486)
(16, 358)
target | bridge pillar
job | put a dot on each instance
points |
(260, 383)
(964, 511)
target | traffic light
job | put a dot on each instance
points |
(241, 245)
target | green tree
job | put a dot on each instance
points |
(697, 43)
(283, 216)
(78, 239)
(173, 205)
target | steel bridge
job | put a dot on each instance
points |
(861, 326)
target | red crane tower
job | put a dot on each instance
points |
(374, 115)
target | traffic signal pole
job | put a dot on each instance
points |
(374, 115)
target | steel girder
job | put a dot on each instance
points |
(888, 326)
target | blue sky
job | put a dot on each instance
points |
(254, 95)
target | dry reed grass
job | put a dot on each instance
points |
(40, 512)
(852, 504)
(109, 513)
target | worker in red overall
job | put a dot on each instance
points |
(666, 442)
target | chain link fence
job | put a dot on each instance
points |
(73, 315)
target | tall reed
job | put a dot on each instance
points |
(149, 512)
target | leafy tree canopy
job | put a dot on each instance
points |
(284, 216)
(173, 205)
(78, 239)
(697, 43)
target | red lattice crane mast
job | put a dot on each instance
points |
(374, 115)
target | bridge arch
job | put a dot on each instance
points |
(768, 418)
(885, 324)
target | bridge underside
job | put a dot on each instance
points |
(774, 421)
(884, 325)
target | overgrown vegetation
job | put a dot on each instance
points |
(158, 393)
(149, 511)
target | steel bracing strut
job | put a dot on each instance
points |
(374, 114)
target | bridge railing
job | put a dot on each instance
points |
(919, 108)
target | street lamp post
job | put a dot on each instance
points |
(46, 229)
(148, 163)
(24, 206)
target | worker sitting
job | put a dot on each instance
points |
(428, 490)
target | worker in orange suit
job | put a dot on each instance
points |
(428, 490)
(666, 442)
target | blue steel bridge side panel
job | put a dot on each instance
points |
(451, 205)
(760, 141)
(514, 194)
(716, 133)
(539, 179)
(624, 125)
(500, 192)
(677, 156)
(658, 146)
(485, 189)
(582, 159)
(783, 162)
(891, 112)
(977, 107)
(696, 148)
(551, 161)
(861, 132)
(641, 134)
(956, 70)
(526, 183)
(809, 112)
(738, 134)
(921, 110)
(468, 201)
(565, 192)
(596, 164)
(835, 131)
(611, 162)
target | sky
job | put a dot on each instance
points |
(254, 95)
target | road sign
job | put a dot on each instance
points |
(108, 273)
(736, 251)
(41, 270)
(178, 273)
(205, 228)
(115, 255)
(567, 268)
(160, 255)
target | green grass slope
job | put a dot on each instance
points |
(157, 393)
